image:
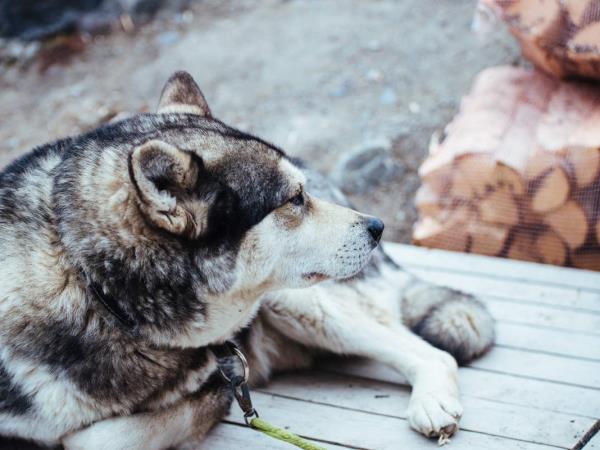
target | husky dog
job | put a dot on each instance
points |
(127, 252)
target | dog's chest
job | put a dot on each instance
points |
(223, 318)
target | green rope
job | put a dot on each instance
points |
(282, 435)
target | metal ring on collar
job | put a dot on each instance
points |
(237, 352)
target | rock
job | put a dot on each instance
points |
(167, 38)
(388, 96)
(342, 89)
(414, 107)
(374, 75)
(34, 19)
(373, 45)
(364, 169)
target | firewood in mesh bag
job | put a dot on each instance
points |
(517, 173)
(561, 37)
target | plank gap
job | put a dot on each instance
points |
(587, 437)
(322, 441)
(543, 352)
(528, 377)
(511, 278)
(501, 298)
(547, 327)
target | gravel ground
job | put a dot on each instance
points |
(326, 81)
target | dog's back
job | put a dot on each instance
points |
(30, 274)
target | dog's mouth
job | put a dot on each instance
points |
(315, 277)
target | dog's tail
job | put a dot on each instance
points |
(448, 319)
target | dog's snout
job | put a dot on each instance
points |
(375, 228)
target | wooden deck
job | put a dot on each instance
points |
(539, 388)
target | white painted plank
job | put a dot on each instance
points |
(518, 290)
(485, 416)
(227, 437)
(539, 366)
(495, 267)
(360, 429)
(521, 363)
(541, 316)
(492, 386)
(558, 342)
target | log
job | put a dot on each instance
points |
(567, 119)
(551, 248)
(487, 239)
(536, 24)
(473, 174)
(579, 11)
(583, 50)
(427, 201)
(587, 259)
(522, 247)
(585, 163)
(589, 199)
(487, 111)
(558, 36)
(540, 163)
(536, 19)
(518, 173)
(519, 142)
(436, 171)
(449, 233)
(499, 207)
(586, 40)
(570, 223)
(552, 191)
(507, 176)
(570, 130)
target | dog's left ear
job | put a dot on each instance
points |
(164, 177)
(181, 94)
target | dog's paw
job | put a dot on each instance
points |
(434, 413)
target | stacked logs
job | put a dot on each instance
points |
(561, 37)
(518, 172)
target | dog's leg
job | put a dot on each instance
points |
(182, 425)
(330, 318)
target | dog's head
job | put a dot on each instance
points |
(184, 222)
(225, 190)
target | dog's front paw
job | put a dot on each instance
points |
(434, 413)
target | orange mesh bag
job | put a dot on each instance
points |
(561, 37)
(517, 173)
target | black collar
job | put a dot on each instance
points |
(112, 306)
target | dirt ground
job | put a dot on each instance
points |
(318, 78)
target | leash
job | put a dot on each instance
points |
(241, 392)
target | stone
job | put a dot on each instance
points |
(388, 96)
(364, 169)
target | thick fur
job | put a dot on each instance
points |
(129, 251)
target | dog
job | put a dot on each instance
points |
(130, 252)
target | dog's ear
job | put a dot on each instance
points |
(164, 178)
(181, 94)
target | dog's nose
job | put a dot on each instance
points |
(375, 228)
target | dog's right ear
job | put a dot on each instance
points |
(181, 94)
(164, 178)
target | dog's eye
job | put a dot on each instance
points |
(298, 199)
